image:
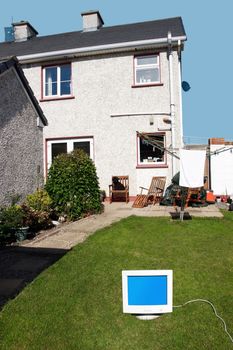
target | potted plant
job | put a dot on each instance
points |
(14, 218)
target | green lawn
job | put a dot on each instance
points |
(77, 302)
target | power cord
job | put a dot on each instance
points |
(208, 302)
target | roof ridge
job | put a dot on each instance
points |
(102, 29)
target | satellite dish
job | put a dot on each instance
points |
(185, 86)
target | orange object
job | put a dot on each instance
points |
(210, 197)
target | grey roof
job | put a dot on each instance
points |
(13, 62)
(106, 35)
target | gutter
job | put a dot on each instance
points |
(98, 49)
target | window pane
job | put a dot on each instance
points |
(151, 153)
(58, 148)
(50, 89)
(150, 75)
(85, 146)
(51, 74)
(50, 81)
(65, 88)
(65, 72)
(147, 60)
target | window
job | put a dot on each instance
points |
(56, 147)
(57, 81)
(147, 70)
(151, 149)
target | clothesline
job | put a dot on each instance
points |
(160, 146)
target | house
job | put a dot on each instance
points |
(221, 166)
(103, 89)
(21, 134)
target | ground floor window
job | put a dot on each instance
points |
(67, 145)
(151, 149)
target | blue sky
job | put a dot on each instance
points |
(207, 56)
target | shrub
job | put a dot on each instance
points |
(36, 220)
(12, 216)
(7, 234)
(11, 219)
(73, 185)
(39, 200)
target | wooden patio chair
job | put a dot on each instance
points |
(154, 194)
(186, 196)
(119, 189)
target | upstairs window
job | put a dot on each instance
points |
(57, 81)
(147, 70)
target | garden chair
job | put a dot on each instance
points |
(154, 194)
(119, 189)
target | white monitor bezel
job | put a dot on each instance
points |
(147, 309)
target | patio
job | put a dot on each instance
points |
(67, 235)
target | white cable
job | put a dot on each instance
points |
(208, 302)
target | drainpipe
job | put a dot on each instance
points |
(172, 104)
(180, 93)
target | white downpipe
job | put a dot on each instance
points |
(172, 103)
(180, 93)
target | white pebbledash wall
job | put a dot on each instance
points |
(102, 87)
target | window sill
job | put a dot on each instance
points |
(56, 98)
(149, 166)
(146, 85)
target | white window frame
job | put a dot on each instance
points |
(150, 163)
(58, 95)
(70, 146)
(138, 67)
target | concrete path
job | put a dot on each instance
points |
(68, 235)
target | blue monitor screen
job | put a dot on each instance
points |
(147, 290)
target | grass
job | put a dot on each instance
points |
(77, 303)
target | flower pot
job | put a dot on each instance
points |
(21, 233)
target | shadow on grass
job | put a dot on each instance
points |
(20, 265)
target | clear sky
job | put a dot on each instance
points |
(207, 58)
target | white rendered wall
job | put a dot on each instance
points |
(102, 87)
(221, 168)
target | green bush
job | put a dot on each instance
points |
(12, 216)
(11, 219)
(39, 200)
(73, 185)
(7, 234)
(36, 220)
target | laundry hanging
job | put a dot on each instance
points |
(192, 165)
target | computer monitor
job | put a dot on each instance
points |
(147, 293)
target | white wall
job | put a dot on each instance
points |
(102, 87)
(221, 167)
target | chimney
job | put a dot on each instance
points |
(23, 31)
(92, 20)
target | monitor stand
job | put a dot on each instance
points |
(147, 317)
